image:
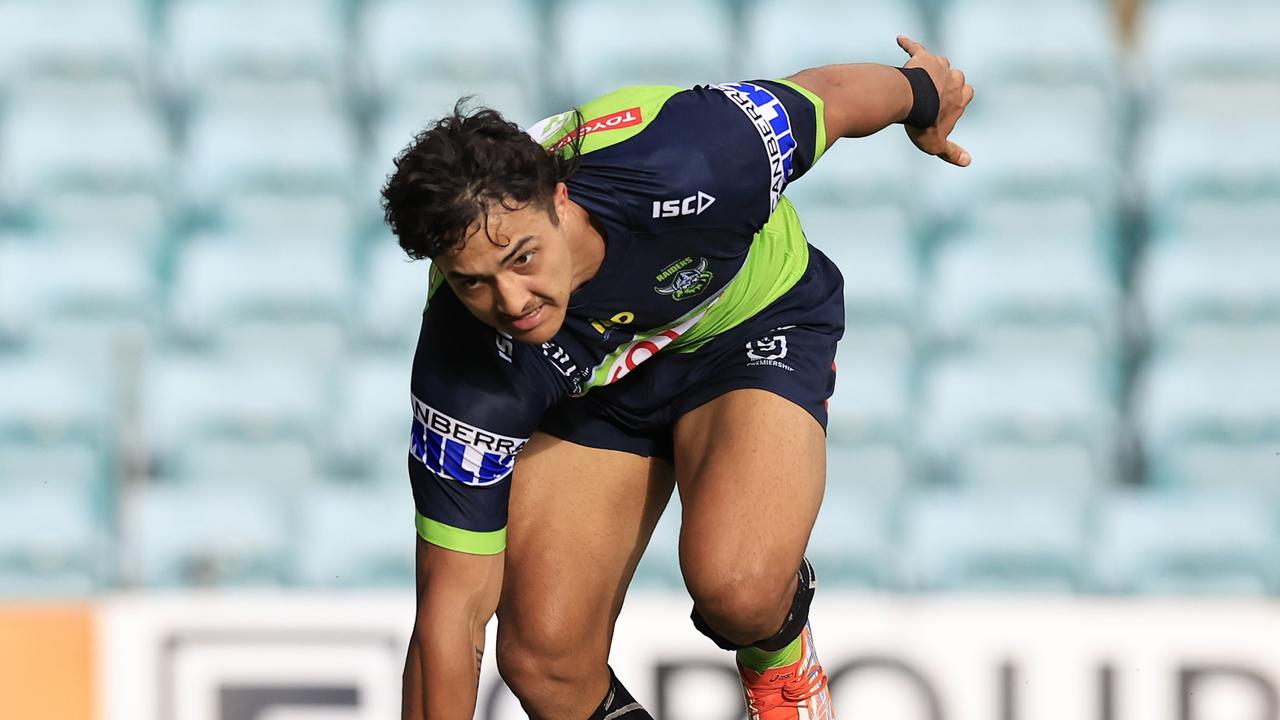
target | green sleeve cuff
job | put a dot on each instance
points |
(820, 137)
(465, 541)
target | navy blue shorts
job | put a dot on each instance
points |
(787, 349)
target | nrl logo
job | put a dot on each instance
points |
(685, 281)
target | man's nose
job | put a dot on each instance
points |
(513, 298)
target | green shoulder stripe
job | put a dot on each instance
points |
(465, 541)
(606, 120)
(820, 137)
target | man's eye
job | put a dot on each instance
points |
(469, 283)
(524, 259)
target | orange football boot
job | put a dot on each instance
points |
(792, 692)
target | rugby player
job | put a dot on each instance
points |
(623, 297)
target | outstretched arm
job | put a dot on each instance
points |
(457, 594)
(864, 99)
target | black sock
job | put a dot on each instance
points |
(618, 704)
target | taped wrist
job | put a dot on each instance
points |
(924, 98)
(618, 704)
(797, 616)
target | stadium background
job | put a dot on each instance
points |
(1055, 440)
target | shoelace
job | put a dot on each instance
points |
(792, 691)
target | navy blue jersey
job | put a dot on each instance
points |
(687, 186)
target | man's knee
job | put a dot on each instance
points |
(540, 659)
(744, 605)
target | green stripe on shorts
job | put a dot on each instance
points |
(465, 541)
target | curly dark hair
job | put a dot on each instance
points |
(457, 169)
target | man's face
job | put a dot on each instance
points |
(516, 277)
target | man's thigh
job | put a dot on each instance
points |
(579, 521)
(751, 467)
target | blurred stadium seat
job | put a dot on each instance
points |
(836, 32)
(52, 541)
(271, 141)
(208, 43)
(235, 418)
(853, 541)
(1041, 42)
(880, 169)
(668, 42)
(1211, 419)
(274, 298)
(204, 535)
(57, 289)
(987, 541)
(375, 414)
(355, 537)
(1185, 58)
(48, 148)
(1186, 543)
(1029, 294)
(1004, 421)
(421, 56)
(73, 39)
(395, 294)
(1189, 283)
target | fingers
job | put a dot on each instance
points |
(911, 47)
(956, 155)
(966, 95)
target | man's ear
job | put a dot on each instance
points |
(560, 202)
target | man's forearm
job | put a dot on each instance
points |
(860, 99)
(441, 674)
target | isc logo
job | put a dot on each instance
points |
(692, 205)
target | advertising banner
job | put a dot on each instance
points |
(339, 657)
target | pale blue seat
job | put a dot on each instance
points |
(52, 541)
(425, 55)
(874, 247)
(235, 419)
(263, 297)
(882, 168)
(53, 398)
(852, 544)
(1183, 56)
(834, 32)
(350, 536)
(1189, 282)
(1179, 158)
(48, 282)
(393, 294)
(48, 147)
(1210, 419)
(985, 541)
(665, 42)
(77, 462)
(208, 42)
(1039, 295)
(375, 416)
(1072, 217)
(872, 396)
(1011, 420)
(1184, 542)
(268, 140)
(1045, 42)
(72, 38)
(1082, 161)
(209, 535)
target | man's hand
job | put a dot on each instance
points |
(953, 97)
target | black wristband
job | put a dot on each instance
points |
(924, 98)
